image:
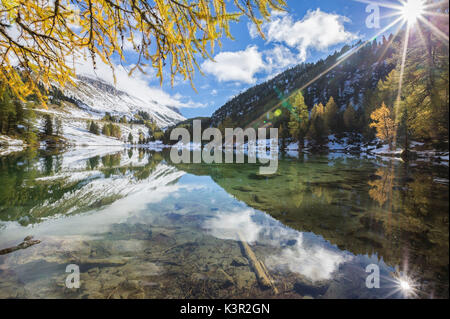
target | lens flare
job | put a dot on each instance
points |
(411, 13)
(404, 285)
(413, 10)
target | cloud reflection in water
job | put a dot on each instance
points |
(303, 253)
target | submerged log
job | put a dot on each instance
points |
(103, 262)
(27, 242)
(258, 266)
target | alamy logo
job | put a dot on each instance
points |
(73, 279)
(238, 142)
(373, 19)
(373, 279)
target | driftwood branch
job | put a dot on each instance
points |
(258, 266)
(27, 242)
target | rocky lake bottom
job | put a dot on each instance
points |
(139, 226)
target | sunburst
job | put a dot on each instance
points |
(408, 14)
(412, 10)
(413, 13)
(402, 284)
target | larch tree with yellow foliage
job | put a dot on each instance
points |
(40, 40)
(298, 118)
(384, 125)
(317, 128)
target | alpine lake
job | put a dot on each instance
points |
(139, 226)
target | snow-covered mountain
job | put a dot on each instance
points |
(91, 98)
(98, 97)
(95, 177)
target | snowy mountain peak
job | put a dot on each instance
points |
(98, 97)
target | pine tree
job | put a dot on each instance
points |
(123, 120)
(58, 126)
(48, 125)
(93, 128)
(318, 111)
(369, 105)
(350, 118)
(106, 131)
(227, 123)
(7, 112)
(130, 138)
(317, 129)
(29, 123)
(299, 119)
(141, 138)
(20, 112)
(117, 132)
(107, 117)
(331, 115)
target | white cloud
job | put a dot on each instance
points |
(136, 85)
(242, 66)
(292, 40)
(239, 66)
(128, 45)
(279, 59)
(234, 226)
(314, 261)
(311, 256)
(252, 30)
(317, 30)
(281, 56)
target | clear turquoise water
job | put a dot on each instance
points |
(140, 227)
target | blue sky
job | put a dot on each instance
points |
(308, 31)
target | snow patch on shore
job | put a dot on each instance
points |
(384, 150)
(10, 145)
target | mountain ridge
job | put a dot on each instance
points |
(346, 82)
(98, 97)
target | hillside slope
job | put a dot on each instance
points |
(357, 72)
(90, 100)
(98, 97)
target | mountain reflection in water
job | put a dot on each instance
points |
(141, 227)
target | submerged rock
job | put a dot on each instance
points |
(239, 262)
(310, 290)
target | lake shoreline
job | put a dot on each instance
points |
(432, 157)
